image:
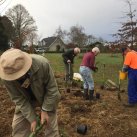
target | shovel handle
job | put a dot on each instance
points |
(118, 93)
(69, 70)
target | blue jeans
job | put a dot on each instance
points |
(86, 73)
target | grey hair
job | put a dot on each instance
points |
(96, 50)
(77, 50)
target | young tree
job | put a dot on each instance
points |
(127, 31)
(23, 23)
(6, 32)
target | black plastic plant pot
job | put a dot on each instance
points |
(102, 87)
(68, 90)
(82, 129)
(97, 95)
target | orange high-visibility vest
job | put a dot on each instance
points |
(131, 59)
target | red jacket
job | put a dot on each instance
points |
(88, 60)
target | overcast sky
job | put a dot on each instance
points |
(100, 18)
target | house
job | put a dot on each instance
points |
(52, 44)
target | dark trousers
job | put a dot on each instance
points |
(68, 72)
(132, 85)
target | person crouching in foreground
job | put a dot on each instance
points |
(130, 66)
(88, 64)
(30, 83)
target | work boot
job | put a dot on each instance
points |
(129, 105)
(86, 97)
(91, 93)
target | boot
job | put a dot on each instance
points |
(86, 97)
(91, 93)
(129, 105)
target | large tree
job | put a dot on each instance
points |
(91, 39)
(8, 26)
(77, 35)
(23, 23)
(60, 33)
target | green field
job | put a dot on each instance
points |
(113, 63)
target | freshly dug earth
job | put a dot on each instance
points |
(105, 117)
(6, 113)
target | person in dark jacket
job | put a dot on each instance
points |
(68, 58)
(31, 84)
(86, 68)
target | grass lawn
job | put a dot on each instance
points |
(111, 70)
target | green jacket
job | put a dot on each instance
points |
(43, 85)
(69, 55)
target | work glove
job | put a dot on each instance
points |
(125, 68)
(95, 69)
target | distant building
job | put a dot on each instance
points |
(52, 44)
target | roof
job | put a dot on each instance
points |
(49, 41)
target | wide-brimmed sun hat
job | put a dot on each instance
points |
(14, 63)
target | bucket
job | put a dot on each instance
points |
(122, 75)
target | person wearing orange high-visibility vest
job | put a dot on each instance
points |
(130, 66)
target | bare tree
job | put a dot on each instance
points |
(23, 23)
(60, 33)
(90, 39)
(77, 35)
(33, 40)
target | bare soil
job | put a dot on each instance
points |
(104, 117)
